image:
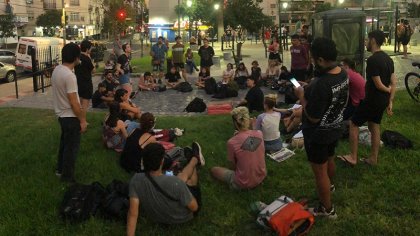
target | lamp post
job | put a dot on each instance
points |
(63, 21)
(189, 4)
(179, 18)
(220, 26)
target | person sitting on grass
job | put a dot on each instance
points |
(202, 76)
(241, 74)
(268, 122)
(110, 82)
(254, 99)
(147, 82)
(101, 98)
(129, 110)
(114, 130)
(228, 74)
(245, 153)
(131, 157)
(256, 71)
(164, 198)
(173, 78)
(272, 73)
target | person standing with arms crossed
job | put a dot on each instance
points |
(71, 116)
(380, 90)
(83, 73)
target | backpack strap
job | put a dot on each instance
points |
(159, 188)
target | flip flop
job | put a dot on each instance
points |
(345, 161)
(365, 161)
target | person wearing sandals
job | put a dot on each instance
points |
(164, 198)
(246, 154)
(268, 122)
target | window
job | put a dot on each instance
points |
(74, 16)
(31, 16)
(22, 48)
(9, 54)
(30, 49)
(273, 5)
(74, 3)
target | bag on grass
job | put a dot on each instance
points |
(184, 87)
(210, 85)
(81, 201)
(395, 140)
(286, 217)
(176, 159)
(196, 105)
(116, 202)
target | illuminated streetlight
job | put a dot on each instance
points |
(285, 5)
(216, 6)
(340, 1)
(189, 3)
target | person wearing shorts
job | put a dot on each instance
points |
(246, 154)
(158, 53)
(83, 73)
(178, 56)
(164, 198)
(123, 68)
(323, 102)
(380, 91)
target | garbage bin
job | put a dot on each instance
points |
(227, 55)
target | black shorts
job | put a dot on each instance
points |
(319, 153)
(179, 65)
(85, 91)
(405, 40)
(365, 113)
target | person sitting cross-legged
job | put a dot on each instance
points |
(173, 78)
(163, 198)
(246, 154)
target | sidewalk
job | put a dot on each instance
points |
(173, 103)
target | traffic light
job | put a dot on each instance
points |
(121, 15)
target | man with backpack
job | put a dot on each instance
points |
(164, 198)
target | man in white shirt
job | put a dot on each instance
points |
(71, 116)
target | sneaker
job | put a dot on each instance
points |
(197, 153)
(321, 211)
(332, 188)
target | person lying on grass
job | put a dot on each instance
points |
(245, 153)
(163, 198)
(129, 110)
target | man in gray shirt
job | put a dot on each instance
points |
(164, 198)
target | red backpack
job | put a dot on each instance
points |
(286, 217)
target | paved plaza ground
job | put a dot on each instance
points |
(173, 102)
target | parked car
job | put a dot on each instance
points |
(7, 56)
(7, 72)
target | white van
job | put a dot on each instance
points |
(44, 53)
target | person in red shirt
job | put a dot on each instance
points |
(356, 87)
(246, 154)
(300, 59)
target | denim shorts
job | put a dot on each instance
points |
(273, 145)
(124, 79)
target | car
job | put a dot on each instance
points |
(7, 56)
(7, 72)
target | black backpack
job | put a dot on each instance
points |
(395, 140)
(115, 204)
(81, 201)
(210, 85)
(196, 105)
(185, 87)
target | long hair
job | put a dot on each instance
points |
(114, 114)
(147, 122)
(119, 93)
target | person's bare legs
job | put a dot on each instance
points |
(84, 103)
(331, 168)
(219, 173)
(189, 172)
(354, 143)
(375, 141)
(405, 51)
(323, 184)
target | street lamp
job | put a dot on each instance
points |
(216, 6)
(340, 1)
(63, 21)
(189, 4)
(179, 18)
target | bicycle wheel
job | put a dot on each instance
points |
(412, 84)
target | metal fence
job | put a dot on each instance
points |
(44, 60)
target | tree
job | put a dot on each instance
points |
(413, 10)
(49, 20)
(7, 27)
(112, 24)
(246, 13)
(323, 7)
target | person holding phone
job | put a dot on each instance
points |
(323, 102)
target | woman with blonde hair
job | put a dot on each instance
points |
(268, 122)
(246, 154)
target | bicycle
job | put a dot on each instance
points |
(412, 83)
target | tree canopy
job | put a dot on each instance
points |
(49, 20)
(7, 26)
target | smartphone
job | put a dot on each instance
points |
(169, 173)
(295, 82)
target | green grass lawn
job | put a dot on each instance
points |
(384, 200)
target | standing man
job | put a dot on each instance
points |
(206, 54)
(178, 56)
(406, 36)
(123, 68)
(380, 90)
(228, 35)
(71, 116)
(158, 52)
(83, 73)
(323, 102)
(300, 61)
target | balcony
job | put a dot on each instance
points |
(50, 5)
